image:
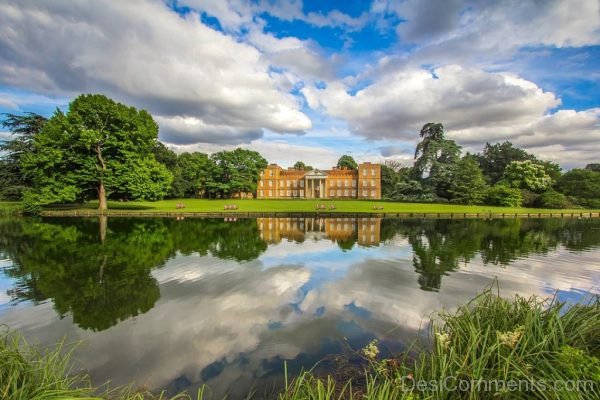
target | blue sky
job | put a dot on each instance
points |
(312, 80)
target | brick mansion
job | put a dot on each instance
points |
(337, 183)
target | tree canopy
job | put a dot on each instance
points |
(347, 162)
(98, 149)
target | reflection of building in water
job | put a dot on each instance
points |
(363, 230)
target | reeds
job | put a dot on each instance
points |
(490, 348)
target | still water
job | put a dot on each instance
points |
(173, 304)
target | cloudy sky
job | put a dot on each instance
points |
(311, 80)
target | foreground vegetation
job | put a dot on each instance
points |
(248, 205)
(490, 348)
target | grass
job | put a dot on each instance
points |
(7, 207)
(342, 206)
(488, 343)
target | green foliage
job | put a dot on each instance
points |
(553, 199)
(347, 162)
(496, 157)
(527, 175)
(192, 172)
(299, 165)
(583, 184)
(468, 184)
(13, 181)
(97, 145)
(593, 167)
(553, 170)
(436, 159)
(503, 196)
(530, 199)
(235, 172)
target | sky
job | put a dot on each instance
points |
(312, 80)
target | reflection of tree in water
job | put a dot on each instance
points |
(99, 271)
(439, 246)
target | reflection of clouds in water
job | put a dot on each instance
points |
(231, 323)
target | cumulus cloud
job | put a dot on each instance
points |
(275, 151)
(176, 68)
(475, 106)
(456, 30)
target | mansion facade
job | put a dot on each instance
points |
(337, 183)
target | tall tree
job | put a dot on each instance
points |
(97, 149)
(435, 159)
(13, 181)
(235, 172)
(192, 173)
(495, 158)
(593, 167)
(347, 162)
(582, 184)
(468, 183)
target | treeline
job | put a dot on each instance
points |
(101, 149)
(501, 175)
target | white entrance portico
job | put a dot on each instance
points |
(314, 183)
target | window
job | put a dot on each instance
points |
(261, 183)
(332, 193)
(281, 183)
(353, 183)
(270, 184)
(295, 183)
(364, 193)
(346, 183)
(289, 183)
(289, 193)
(301, 184)
(364, 172)
(295, 193)
(346, 192)
(261, 193)
(372, 193)
(373, 182)
(270, 193)
(339, 193)
(364, 183)
(353, 193)
(282, 193)
(339, 183)
(373, 172)
(271, 172)
(301, 193)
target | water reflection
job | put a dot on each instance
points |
(176, 303)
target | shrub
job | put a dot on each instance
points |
(553, 199)
(530, 198)
(504, 196)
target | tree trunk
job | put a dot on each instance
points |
(101, 197)
(103, 222)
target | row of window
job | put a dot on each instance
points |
(295, 184)
(366, 172)
(300, 193)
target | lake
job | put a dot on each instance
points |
(176, 303)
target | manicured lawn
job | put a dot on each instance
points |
(348, 206)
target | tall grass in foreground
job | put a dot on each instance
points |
(476, 353)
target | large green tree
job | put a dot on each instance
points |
(347, 162)
(13, 180)
(301, 166)
(192, 173)
(98, 148)
(495, 158)
(468, 183)
(435, 159)
(234, 172)
(583, 184)
(527, 175)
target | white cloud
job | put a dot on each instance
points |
(455, 30)
(475, 106)
(145, 54)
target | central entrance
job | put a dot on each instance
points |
(314, 183)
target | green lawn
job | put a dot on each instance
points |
(348, 206)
